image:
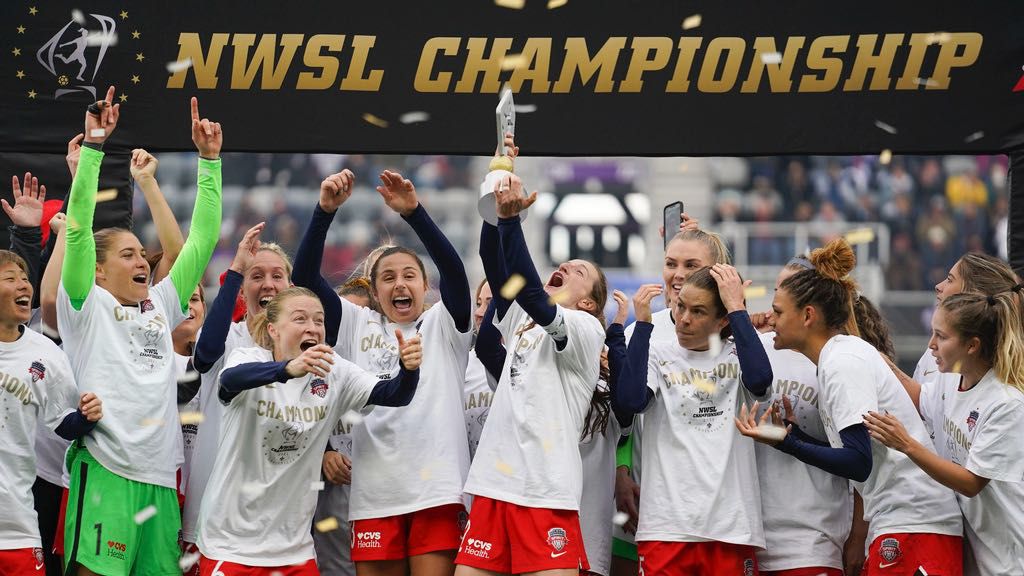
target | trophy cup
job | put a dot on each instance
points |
(501, 165)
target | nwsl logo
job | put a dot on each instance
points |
(37, 370)
(67, 57)
(972, 420)
(318, 387)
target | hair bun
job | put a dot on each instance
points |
(835, 260)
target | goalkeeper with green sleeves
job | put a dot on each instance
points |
(122, 515)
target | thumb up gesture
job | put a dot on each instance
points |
(410, 351)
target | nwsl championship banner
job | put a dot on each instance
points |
(591, 77)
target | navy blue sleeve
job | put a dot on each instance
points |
(27, 243)
(453, 283)
(631, 394)
(532, 297)
(74, 426)
(803, 436)
(238, 379)
(852, 461)
(397, 391)
(615, 340)
(494, 266)
(189, 384)
(306, 271)
(488, 346)
(754, 363)
(210, 346)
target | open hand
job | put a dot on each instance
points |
(621, 307)
(247, 248)
(730, 286)
(768, 429)
(28, 202)
(642, 300)
(888, 430)
(398, 193)
(74, 151)
(509, 198)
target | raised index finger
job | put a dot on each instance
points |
(195, 109)
(110, 96)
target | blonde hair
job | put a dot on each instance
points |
(276, 249)
(713, 242)
(985, 274)
(996, 321)
(260, 330)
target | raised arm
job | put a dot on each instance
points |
(79, 270)
(143, 168)
(204, 231)
(615, 341)
(494, 267)
(334, 190)
(51, 276)
(212, 338)
(26, 216)
(488, 348)
(755, 367)
(632, 393)
(400, 195)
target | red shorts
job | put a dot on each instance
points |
(190, 549)
(685, 558)
(817, 571)
(58, 538)
(21, 561)
(899, 554)
(208, 567)
(397, 537)
(504, 537)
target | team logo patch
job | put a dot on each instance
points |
(890, 550)
(318, 387)
(37, 370)
(146, 306)
(557, 539)
(748, 567)
(972, 420)
(38, 552)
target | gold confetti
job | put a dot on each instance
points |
(512, 4)
(503, 467)
(691, 22)
(885, 157)
(751, 292)
(559, 297)
(703, 384)
(513, 286)
(860, 236)
(513, 61)
(546, 445)
(327, 524)
(145, 514)
(552, 4)
(106, 195)
(152, 422)
(191, 418)
(371, 119)
(426, 473)
(956, 367)
(939, 37)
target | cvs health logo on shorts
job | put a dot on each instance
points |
(368, 540)
(116, 549)
(478, 548)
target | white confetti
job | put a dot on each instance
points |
(351, 418)
(77, 16)
(525, 108)
(97, 133)
(179, 65)
(974, 137)
(413, 117)
(771, 58)
(885, 157)
(252, 490)
(772, 432)
(620, 518)
(316, 486)
(101, 39)
(145, 514)
(189, 377)
(691, 22)
(925, 82)
(883, 126)
(187, 561)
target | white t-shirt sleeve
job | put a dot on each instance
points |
(356, 386)
(584, 338)
(997, 452)
(929, 403)
(61, 392)
(654, 375)
(850, 392)
(167, 295)
(509, 321)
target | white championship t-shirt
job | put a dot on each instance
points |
(36, 386)
(188, 431)
(927, 374)
(899, 497)
(417, 456)
(982, 429)
(664, 331)
(597, 506)
(259, 505)
(124, 354)
(207, 440)
(476, 401)
(529, 451)
(807, 512)
(700, 476)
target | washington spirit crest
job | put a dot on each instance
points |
(37, 370)
(557, 539)
(972, 420)
(890, 550)
(146, 305)
(319, 387)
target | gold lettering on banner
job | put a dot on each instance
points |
(464, 65)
